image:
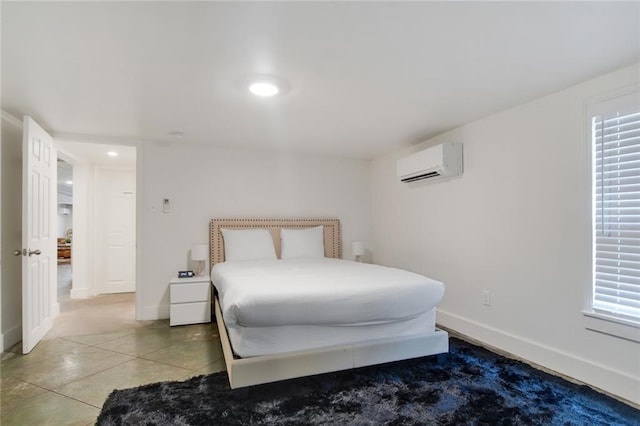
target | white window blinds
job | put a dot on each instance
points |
(616, 212)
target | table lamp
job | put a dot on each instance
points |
(198, 256)
(357, 248)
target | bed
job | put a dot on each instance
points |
(292, 317)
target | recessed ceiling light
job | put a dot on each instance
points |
(263, 88)
(263, 85)
(69, 182)
(112, 154)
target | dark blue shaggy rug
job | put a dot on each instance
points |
(471, 387)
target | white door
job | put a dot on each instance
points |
(38, 240)
(118, 214)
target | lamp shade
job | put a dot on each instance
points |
(357, 248)
(199, 251)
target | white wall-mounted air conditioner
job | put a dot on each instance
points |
(444, 160)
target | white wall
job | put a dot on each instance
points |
(517, 223)
(204, 182)
(11, 273)
(82, 257)
(65, 221)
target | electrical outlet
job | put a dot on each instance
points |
(486, 297)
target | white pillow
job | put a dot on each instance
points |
(302, 243)
(248, 244)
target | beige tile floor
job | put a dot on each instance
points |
(96, 346)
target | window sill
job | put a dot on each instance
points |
(613, 326)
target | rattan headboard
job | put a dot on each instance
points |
(332, 236)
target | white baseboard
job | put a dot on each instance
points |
(10, 337)
(599, 376)
(79, 293)
(55, 310)
(149, 313)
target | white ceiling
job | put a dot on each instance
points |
(96, 154)
(364, 77)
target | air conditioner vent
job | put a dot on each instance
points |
(444, 160)
(420, 177)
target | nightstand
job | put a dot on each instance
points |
(190, 300)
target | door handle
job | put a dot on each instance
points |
(17, 252)
(36, 252)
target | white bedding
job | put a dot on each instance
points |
(324, 292)
(257, 341)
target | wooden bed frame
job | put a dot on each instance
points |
(270, 368)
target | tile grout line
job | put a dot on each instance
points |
(83, 377)
(76, 399)
(3, 414)
(91, 375)
(139, 357)
(184, 372)
(136, 355)
(68, 339)
(179, 366)
(56, 354)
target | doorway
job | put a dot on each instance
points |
(97, 220)
(64, 231)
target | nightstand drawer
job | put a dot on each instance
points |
(189, 292)
(190, 313)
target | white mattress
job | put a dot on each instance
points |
(257, 341)
(333, 292)
(279, 306)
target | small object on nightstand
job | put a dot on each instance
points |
(190, 300)
(186, 274)
(199, 255)
(357, 248)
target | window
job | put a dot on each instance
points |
(615, 140)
